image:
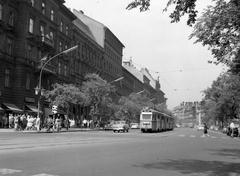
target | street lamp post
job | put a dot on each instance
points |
(39, 89)
(116, 80)
(140, 92)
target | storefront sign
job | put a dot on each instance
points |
(29, 100)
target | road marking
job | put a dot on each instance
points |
(5, 171)
(181, 135)
(192, 136)
(43, 174)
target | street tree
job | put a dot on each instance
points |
(222, 99)
(63, 95)
(130, 107)
(96, 93)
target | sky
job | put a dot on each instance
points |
(164, 48)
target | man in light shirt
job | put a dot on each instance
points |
(232, 126)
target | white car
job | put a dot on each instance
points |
(120, 126)
(200, 128)
(134, 125)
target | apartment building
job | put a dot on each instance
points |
(30, 31)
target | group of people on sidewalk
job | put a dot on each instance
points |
(20, 121)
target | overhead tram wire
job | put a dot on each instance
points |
(187, 70)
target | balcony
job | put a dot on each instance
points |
(47, 69)
(45, 41)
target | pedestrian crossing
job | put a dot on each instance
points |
(7, 171)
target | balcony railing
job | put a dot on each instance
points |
(48, 68)
(46, 40)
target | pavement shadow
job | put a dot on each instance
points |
(227, 153)
(196, 167)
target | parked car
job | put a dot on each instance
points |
(134, 126)
(109, 125)
(120, 126)
(177, 126)
(200, 128)
(235, 131)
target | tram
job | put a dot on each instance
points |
(152, 121)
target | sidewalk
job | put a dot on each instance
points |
(7, 130)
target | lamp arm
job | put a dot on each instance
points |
(40, 77)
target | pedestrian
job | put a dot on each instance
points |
(232, 126)
(16, 122)
(3, 121)
(6, 121)
(205, 130)
(50, 124)
(38, 123)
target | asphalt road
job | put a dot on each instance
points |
(103, 153)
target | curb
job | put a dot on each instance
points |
(44, 130)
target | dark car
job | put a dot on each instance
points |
(235, 131)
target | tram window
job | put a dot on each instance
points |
(146, 116)
(154, 117)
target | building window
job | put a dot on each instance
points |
(42, 30)
(31, 24)
(1, 11)
(67, 30)
(51, 35)
(9, 46)
(39, 55)
(59, 68)
(65, 70)
(61, 26)
(30, 52)
(32, 3)
(52, 15)
(43, 8)
(11, 19)
(7, 77)
(28, 81)
(60, 46)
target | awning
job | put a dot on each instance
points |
(59, 111)
(33, 108)
(12, 107)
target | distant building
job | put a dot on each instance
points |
(149, 85)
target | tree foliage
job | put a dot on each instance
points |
(62, 95)
(96, 93)
(222, 99)
(182, 7)
(131, 106)
(218, 28)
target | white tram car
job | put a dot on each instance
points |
(152, 120)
